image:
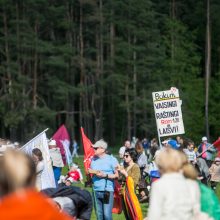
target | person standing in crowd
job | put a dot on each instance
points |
(19, 198)
(146, 145)
(104, 166)
(153, 148)
(190, 153)
(181, 142)
(56, 158)
(154, 143)
(38, 159)
(75, 149)
(131, 170)
(133, 141)
(141, 157)
(122, 149)
(206, 151)
(170, 195)
(214, 171)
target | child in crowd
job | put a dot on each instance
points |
(190, 153)
(75, 173)
(215, 172)
(73, 176)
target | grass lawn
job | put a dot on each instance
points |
(79, 161)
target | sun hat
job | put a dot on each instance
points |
(101, 143)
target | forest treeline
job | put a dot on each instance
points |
(95, 63)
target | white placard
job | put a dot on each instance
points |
(168, 114)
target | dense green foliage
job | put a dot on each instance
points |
(96, 63)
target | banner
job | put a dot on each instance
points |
(40, 141)
(217, 146)
(63, 142)
(168, 114)
(88, 150)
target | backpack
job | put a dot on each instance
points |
(209, 202)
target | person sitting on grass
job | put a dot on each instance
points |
(73, 176)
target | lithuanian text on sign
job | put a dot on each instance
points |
(168, 114)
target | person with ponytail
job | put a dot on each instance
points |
(175, 196)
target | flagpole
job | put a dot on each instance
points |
(34, 138)
(205, 150)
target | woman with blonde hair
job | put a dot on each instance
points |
(175, 196)
(18, 196)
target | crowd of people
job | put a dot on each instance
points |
(175, 167)
(168, 177)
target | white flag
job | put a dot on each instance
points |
(40, 141)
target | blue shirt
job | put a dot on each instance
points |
(107, 165)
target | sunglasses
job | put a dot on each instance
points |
(126, 155)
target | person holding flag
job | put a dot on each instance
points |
(103, 169)
(206, 151)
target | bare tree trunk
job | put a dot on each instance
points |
(97, 96)
(173, 16)
(112, 65)
(127, 101)
(134, 90)
(127, 97)
(8, 71)
(71, 98)
(34, 97)
(207, 67)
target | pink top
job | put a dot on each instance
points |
(204, 155)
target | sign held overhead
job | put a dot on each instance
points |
(168, 114)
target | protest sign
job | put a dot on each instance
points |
(168, 114)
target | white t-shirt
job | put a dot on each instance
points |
(191, 155)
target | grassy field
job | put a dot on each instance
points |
(79, 161)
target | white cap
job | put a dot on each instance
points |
(204, 139)
(101, 143)
(52, 143)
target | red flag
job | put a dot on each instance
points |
(88, 150)
(63, 140)
(217, 145)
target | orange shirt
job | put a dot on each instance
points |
(29, 205)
